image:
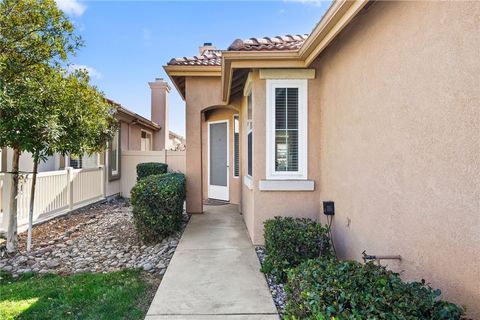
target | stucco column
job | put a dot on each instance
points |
(193, 132)
(159, 113)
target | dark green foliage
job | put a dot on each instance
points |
(327, 289)
(157, 202)
(150, 168)
(290, 241)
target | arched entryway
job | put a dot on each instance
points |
(219, 145)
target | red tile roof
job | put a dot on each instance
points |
(214, 57)
(278, 43)
(208, 58)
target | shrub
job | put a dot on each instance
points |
(290, 241)
(150, 168)
(157, 203)
(327, 289)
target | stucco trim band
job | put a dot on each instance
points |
(287, 73)
(286, 185)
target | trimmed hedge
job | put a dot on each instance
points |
(290, 241)
(157, 203)
(328, 289)
(150, 168)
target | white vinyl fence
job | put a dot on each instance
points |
(130, 159)
(56, 192)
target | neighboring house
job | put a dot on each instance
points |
(136, 133)
(377, 110)
(65, 182)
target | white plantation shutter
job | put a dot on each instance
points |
(236, 146)
(286, 125)
(286, 129)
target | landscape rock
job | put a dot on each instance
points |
(101, 238)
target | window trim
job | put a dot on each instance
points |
(115, 175)
(151, 139)
(302, 86)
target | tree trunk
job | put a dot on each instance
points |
(12, 240)
(32, 202)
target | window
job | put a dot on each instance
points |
(286, 129)
(249, 136)
(236, 146)
(114, 157)
(146, 141)
(85, 161)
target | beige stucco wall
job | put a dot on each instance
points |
(268, 204)
(397, 100)
(202, 93)
(247, 195)
(234, 182)
(131, 136)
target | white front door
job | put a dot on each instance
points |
(218, 160)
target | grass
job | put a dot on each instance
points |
(118, 295)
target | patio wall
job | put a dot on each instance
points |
(130, 159)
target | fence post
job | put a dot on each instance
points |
(70, 187)
(6, 190)
(103, 182)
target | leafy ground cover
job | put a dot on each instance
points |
(117, 295)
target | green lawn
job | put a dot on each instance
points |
(117, 295)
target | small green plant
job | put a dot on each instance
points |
(329, 289)
(150, 168)
(290, 241)
(157, 203)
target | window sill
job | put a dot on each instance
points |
(114, 177)
(286, 185)
(248, 182)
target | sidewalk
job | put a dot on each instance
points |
(214, 273)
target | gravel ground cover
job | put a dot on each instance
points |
(98, 238)
(276, 289)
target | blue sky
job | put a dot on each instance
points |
(128, 42)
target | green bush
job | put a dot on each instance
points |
(150, 168)
(157, 203)
(328, 289)
(290, 241)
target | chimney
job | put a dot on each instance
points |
(206, 46)
(159, 113)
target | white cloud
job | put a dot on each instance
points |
(71, 7)
(94, 73)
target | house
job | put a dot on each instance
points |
(377, 109)
(136, 133)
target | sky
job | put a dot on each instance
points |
(127, 43)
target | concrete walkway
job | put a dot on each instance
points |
(214, 273)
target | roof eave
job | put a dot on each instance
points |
(138, 118)
(337, 17)
(261, 59)
(174, 71)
